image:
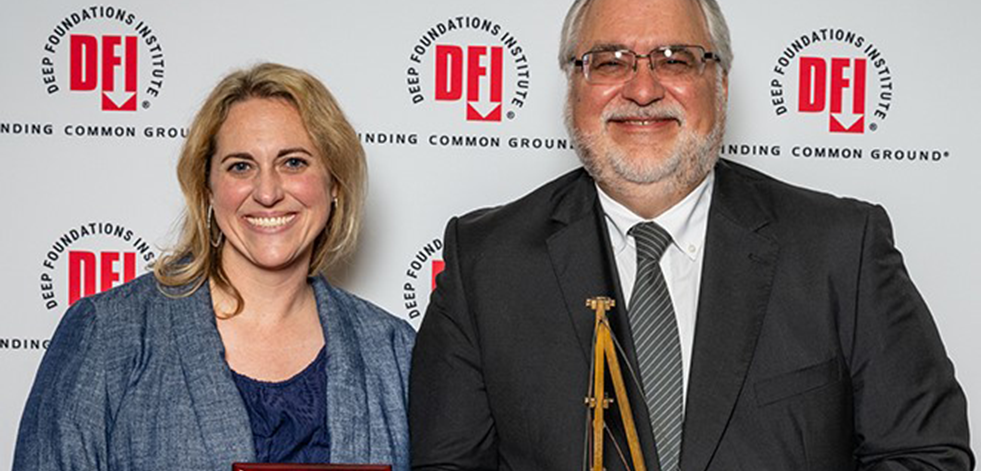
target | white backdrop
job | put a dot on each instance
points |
(82, 202)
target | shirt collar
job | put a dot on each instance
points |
(686, 221)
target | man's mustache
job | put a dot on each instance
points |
(659, 111)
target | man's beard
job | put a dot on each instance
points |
(686, 164)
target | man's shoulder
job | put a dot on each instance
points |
(535, 209)
(779, 195)
(787, 208)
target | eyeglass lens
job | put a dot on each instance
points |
(609, 67)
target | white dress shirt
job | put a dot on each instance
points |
(681, 264)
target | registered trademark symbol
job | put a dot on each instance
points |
(946, 154)
(873, 127)
(510, 114)
(146, 104)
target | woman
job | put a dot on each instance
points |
(236, 349)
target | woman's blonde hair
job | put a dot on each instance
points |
(195, 260)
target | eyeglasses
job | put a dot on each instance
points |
(679, 63)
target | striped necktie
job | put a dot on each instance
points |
(656, 340)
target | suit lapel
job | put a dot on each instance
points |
(218, 405)
(578, 251)
(736, 282)
(583, 261)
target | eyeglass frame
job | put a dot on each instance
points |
(703, 59)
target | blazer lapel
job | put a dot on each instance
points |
(736, 282)
(347, 407)
(220, 412)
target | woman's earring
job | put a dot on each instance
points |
(221, 235)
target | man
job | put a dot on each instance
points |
(792, 337)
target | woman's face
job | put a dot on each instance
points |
(270, 190)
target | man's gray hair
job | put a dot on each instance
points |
(717, 28)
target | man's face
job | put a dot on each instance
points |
(647, 130)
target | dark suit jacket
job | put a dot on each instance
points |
(813, 349)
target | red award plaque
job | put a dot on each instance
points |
(308, 467)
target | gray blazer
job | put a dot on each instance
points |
(135, 380)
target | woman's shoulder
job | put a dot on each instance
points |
(136, 293)
(362, 313)
(100, 335)
(122, 315)
(140, 288)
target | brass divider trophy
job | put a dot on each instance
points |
(604, 354)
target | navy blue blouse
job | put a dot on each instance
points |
(289, 418)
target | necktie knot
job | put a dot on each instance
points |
(652, 240)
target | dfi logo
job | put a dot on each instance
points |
(111, 62)
(90, 272)
(414, 297)
(96, 256)
(420, 279)
(483, 69)
(438, 267)
(822, 85)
